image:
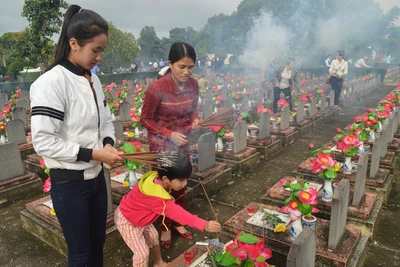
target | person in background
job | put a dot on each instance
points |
(362, 62)
(149, 200)
(95, 70)
(155, 65)
(388, 59)
(328, 61)
(72, 128)
(284, 81)
(169, 114)
(162, 63)
(133, 67)
(338, 71)
(379, 59)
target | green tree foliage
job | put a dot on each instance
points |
(150, 44)
(15, 67)
(7, 42)
(121, 48)
(45, 19)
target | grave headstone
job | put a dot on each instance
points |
(239, 136)
(22, 103)
(340, 204)
(2, 101)
(228, 103)
(300, 112)
(361, 177)
(119, 129)
(376, 155)
(208, 105)
(265, 126)
(332, 98)
(10, 161)
(285, 118)
(323, 103)
(130, 84)
(206, 151)
(124, 109)
(16, 132)
(245, 103)
(313, 107)
(107, 177)
(384, 139)
(224, 92)
(19, 114)
(303, 249)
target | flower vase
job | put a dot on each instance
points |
(361, 148)
(220, 145)
(347, 167)
(380, 127)
(215, 109)
(371, 136)
(234, 106)
(295, 229)
(327, 191)
(133, 180)
(309, 221)
(113, 117)
(137, 132)
(2, 139)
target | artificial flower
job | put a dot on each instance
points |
(52, 212)
(280, 228)
(131, 134)
(125, 184)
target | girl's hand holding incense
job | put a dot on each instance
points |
(196, 125)
(179, 139)
(213, 227)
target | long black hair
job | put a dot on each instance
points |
(81, 24)
(180, 50)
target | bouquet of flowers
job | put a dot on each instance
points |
(262, 109)
(301, 201)
(218, 130)
(2, 128)
(323, 164)
(245, 250)
(348, 143)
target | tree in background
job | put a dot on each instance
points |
(121, 48)
(150, 44)
(45, 19)
(7, 42)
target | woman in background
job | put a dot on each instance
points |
(338, 71)
(284, 81)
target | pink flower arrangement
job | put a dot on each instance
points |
(262, 109)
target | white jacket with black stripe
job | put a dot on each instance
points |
(66, 124)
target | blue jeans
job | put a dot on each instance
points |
(81, 208)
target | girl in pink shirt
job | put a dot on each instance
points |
(150, 199)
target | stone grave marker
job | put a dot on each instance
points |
(129, 96)
(118, 129)
(124, 109)
(245, 103)
(2, 101)
(16, 132)
(130, 84)
(107, 176)
(239, 136)
(228, 103)
(10, 161)
(22, 103)
(19, 114)
(303, 249)
(361, 177)
(375, 159)
(300, 112)
(224, 92)
(25, 96)
(384, 140)
(285, 117)
(206, 151)
(313, 107)
(340, 204)
(208, 105)
(323, 103)
(265, 126)
(332, 98)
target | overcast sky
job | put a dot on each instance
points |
(133, 15)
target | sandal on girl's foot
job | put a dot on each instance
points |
(187, 235)
(166, 244)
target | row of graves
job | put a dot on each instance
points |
(330, 219)
(218, 152)
(392, 74)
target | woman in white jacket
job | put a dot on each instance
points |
(72, 129)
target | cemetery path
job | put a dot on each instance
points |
(19, 248)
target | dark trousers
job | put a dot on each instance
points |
(81, 208)
(277, 94)
(337, 85)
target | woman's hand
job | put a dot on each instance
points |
(196, 125)
(179, 139)
(109, 155)
(213, 227)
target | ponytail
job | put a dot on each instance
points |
(81, 24)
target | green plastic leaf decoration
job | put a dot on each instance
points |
(330, 174)
(248, 238)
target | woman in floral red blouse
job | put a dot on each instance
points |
(170, 113)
